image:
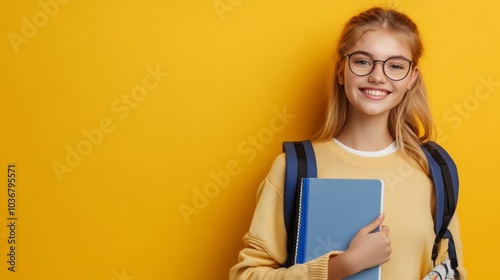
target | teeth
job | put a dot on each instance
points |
(375, 92)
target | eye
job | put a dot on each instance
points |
(396, 64)
(362, 62)
(395, 67)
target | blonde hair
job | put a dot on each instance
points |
(410, 122)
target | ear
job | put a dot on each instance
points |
(414, 74)
(340, 76)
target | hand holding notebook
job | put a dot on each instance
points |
(369, 247)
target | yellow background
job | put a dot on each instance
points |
(243, 76)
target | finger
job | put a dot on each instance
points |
(374, 224)
(385, 229)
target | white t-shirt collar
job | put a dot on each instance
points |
(392, 148)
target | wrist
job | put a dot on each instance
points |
(341, 265)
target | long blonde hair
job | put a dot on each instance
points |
(410, 122)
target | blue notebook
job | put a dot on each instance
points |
(331, 212)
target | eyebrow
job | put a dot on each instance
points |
(371, 55)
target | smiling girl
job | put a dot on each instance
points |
(377, 118)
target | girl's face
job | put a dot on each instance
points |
(375, 94)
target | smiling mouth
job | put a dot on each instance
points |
(374, 92)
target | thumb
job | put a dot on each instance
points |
(375, 224)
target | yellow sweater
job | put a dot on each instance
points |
(408, 206)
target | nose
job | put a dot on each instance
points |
(377, 75)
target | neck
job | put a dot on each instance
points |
(366, 133)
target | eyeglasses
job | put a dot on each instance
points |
(395, 68)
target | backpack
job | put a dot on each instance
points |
(301, 163)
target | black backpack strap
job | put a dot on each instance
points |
(445, 178)
(452, 254)
(300, 163)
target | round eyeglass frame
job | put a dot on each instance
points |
(375, 63)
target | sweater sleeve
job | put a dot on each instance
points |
(265, 243)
